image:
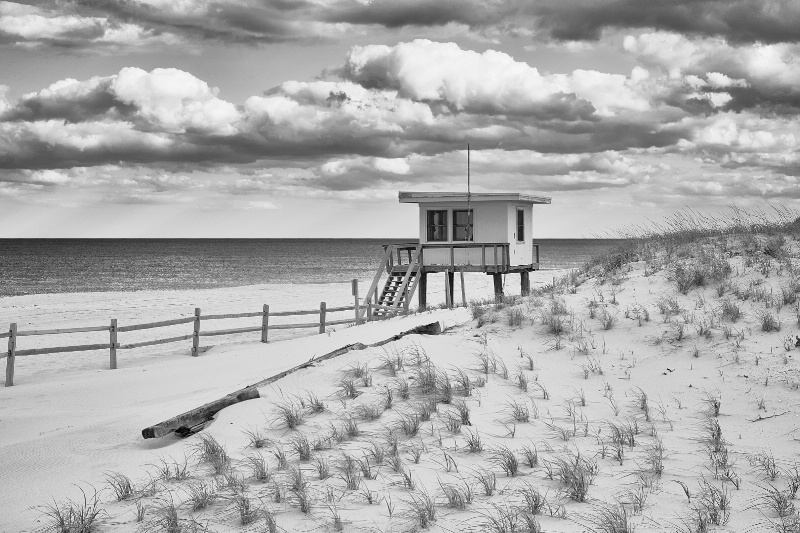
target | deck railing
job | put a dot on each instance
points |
(494, 256)
(113, 329)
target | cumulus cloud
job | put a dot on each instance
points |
(399, 117)
(175, 101)
(169, 100)
(419, 97)
(757, 75)
(492, 82)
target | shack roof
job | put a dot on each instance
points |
(439, 197)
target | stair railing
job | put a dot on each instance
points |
(411, 265)
(411, 292)
(387, 257)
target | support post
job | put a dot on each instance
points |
(12, 352)
(196, 334)
(265, 324)
(322, 313)
(423, 290)
(113, 342)
(448, 290)
(369, 312)
(525, 282)
(358, 303)
(451, 286)
(463, 291)
(498, 285)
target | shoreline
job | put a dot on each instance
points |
(222, 287)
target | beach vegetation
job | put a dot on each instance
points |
(289, 414)
(71, 515)
(211, 452)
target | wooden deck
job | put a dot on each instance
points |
(491, 258)
(407, 266)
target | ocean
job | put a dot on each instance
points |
(51, 266)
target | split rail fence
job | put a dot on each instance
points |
(114, 329)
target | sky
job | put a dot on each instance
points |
(304, 118)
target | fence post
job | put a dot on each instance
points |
(322, 313)
(369, 312)
(196, 335)
(113, 341)
(12, 351)
(265, 323)
(358, 304)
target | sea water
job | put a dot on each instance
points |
(50, 266)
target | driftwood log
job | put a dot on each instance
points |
(194, 420)
(183, 423)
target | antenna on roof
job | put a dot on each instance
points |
(469, 201)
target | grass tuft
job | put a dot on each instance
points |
(212, 452)
(72, 516)
(290, 415)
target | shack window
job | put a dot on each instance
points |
(520, 224)
(437, 225)
(463, 221)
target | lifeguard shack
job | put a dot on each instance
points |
(458, 232)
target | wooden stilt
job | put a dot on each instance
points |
(423, 290)
(451, 277)
(525, 282)
(448, 290)
(498, 285)
(463, 291)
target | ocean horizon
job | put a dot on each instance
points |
(68, 265)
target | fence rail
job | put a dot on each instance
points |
(113, 330)
(151, 325)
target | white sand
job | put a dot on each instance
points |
(58, 429)
(69, 419)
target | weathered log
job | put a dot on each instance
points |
(192, 421)
(199, 415)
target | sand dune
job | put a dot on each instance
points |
(604, 403)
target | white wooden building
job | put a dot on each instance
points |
(479, 232)
(460, 232)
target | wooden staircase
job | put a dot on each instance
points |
(398, 290)
(395, 293)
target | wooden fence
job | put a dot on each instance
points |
(113, 330)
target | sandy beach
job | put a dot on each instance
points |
(617, 400)
(70, 310)
(70, 413)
